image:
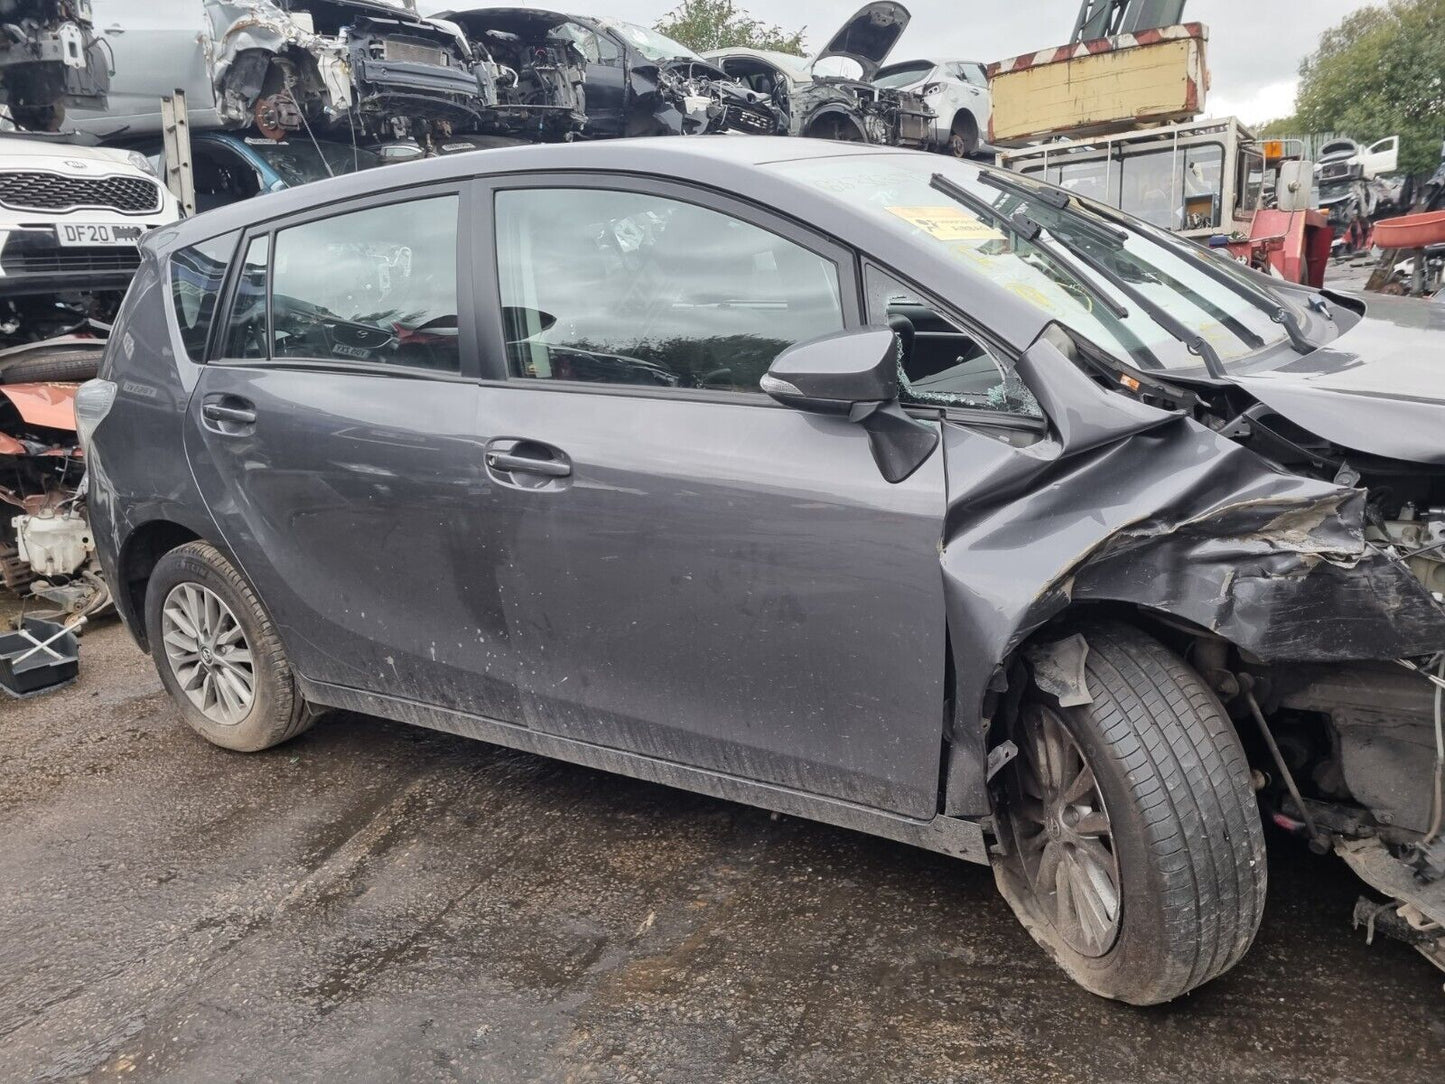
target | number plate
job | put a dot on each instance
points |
(96, 235)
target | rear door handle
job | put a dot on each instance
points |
(522, 464)
(237, 415)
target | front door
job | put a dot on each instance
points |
(691, 571)
(333, 437)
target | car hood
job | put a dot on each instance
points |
(526, 23)
(1378, 389)
(868, 37)
(62, 156)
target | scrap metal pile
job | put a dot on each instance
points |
(46, 552)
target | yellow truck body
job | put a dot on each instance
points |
(1154, 76)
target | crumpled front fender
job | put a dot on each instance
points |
(1129, 504)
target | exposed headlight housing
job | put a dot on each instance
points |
(141, 162)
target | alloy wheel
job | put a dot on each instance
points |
(1062, 832)
(208, 653)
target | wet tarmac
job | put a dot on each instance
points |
(373, 902)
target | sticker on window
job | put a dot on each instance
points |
(947, 223)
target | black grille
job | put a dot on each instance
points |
(28, 253)
(36, 191)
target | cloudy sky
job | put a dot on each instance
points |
(1255, 46)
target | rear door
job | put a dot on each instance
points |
(693, 572)
(332, 434)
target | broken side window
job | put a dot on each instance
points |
(942, 365)
(197, 274)
(627, 288)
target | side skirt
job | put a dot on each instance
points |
(945, 835)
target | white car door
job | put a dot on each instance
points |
(1381, 158)
(155, 49)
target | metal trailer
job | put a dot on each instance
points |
(1199, 179)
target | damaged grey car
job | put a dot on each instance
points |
(363, 71)
(860, 484)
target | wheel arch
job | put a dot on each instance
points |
(834, 112)
(142, 550)
(979, 727)
(963, 117)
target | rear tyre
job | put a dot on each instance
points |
(1136, 849)
(963, 141)
(61, 366)
(218, 653)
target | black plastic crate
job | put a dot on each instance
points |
(42, 671)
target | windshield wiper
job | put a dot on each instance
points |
(1049, 197)
(1028, 229)
(1264, 302)
(1193, 341)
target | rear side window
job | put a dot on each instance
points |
(196, 277)
(628, 288)
(372, 286)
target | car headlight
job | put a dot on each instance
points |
(141, 162)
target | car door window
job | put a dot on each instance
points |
(376, 285)
(246, 331)
(595, 47)
(196, 277)
(627, 288)
(942, 365)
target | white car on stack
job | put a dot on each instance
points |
(70, 219)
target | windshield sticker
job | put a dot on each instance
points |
(947, 223)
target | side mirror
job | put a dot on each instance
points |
(837, 373)
(854, 374)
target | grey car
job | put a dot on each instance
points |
(859, 484)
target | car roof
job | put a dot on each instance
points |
(715, 159)
(725, 164)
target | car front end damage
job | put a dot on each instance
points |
(1306, 587)
(838, 108)
(842, 102)
(368, 69)
(690, 97)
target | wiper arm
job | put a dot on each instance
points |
(1286, 317)
(1005, 183)
(1028, 229)
(1265, 303)
(1192, 340)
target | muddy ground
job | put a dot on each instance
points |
(373, 902)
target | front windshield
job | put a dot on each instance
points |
(650, 43)
(298, 161)
(898, 190)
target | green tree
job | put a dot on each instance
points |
(1381, 72)
(1284, 126)
(719, 24)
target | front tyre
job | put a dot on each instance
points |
(218, 653)
(1136, 849)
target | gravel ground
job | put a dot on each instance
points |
(373, 902)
